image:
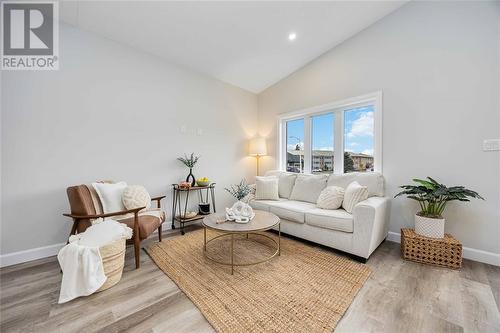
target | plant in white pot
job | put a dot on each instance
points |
(432, 198)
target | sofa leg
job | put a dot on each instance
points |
(359, 259)
(159, 233)
(137, 250)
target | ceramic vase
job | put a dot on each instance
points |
(429, 227)
(190, 178)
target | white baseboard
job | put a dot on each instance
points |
(467, 252)
(13, 258)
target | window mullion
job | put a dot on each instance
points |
(338, 140)
(307, 144)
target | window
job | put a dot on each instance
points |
(339, 137)
(295, 145)
(322, 143)
(358, 139)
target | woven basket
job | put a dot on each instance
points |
(444, 252)
(113, 260)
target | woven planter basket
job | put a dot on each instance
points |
(444, 252)
(113, 260)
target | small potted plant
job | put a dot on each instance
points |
(239, 191)
(190, 162)
(432, 198)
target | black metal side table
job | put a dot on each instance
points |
(180, 200)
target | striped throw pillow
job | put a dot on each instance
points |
(266, 188)
(354, 193)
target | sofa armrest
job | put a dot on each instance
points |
(371, 224)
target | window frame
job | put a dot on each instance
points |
(338, 108)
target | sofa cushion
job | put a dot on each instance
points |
(374, 181)
(291, 210)
(308, 187)
(263, 204)
(285, 183)
(337, 219)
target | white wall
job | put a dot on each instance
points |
(111, 112)
(438, 65)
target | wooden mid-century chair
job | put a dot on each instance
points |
(86, 207)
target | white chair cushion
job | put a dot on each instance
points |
(354, 193)
(331, 198)
(308, 187)
(135, 196)
(374, 181)
(110, 196)
(291, 210)
(337, 219)
(266, 188)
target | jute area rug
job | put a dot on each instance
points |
(306, 289)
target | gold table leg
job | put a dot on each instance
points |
(279, 239)
(205, 239)
(232, 254)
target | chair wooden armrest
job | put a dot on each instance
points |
(158, 199)
(96, 216)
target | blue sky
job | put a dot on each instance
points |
(358, 129)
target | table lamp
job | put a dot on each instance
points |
(257, 147)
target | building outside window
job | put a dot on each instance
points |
(337, 138)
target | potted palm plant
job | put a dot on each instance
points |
(432, 198)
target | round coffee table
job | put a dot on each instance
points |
(261, 222)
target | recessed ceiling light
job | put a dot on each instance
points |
(292, 36)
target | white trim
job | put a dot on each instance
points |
(14, 258)
(337, 107)
(467, 252)
(20, 257)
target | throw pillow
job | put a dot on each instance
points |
(285, 184)
(266, 188)
(136, 196)
(110, 196)
(331, 198)
(354, 193)
(308, 187)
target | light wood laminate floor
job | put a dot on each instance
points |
(400, 296)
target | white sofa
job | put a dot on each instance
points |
(359, 233)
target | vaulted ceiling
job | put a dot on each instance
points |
(243, 43)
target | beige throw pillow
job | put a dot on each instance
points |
(135, 196)
(110, 196)
(266, 188)
(354, 193)
(331, 198)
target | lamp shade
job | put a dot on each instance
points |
(257, 147)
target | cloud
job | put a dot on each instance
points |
(323, 148)
(292, 146)
(367, 152)
(353, 144)
(363, 126)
